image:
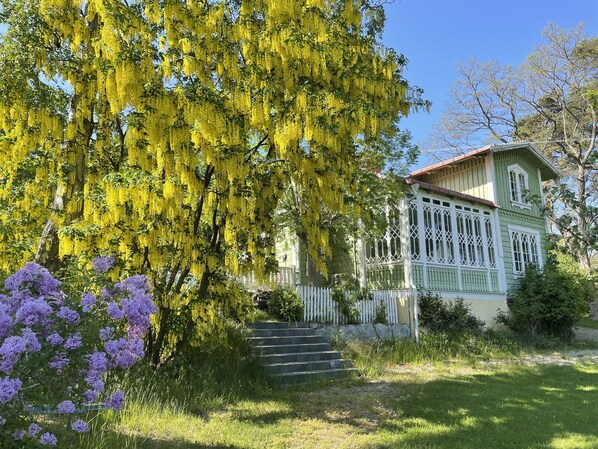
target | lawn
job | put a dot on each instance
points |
(587, 322)
(409, 406)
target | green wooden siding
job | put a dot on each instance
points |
(513, 215)
(443, 278)
(382, 277)
(529, 164)
(343, 254)
(507, 218)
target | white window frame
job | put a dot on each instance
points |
(386, 248)
(531, 232)
(517, 194)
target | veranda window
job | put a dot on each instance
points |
(387, 247)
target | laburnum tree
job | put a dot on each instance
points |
(166, 131)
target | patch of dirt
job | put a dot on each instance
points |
(562, 358)
(366, 408)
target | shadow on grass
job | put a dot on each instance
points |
(545, 406)
(518, 407)
(523, 407)
(114, 440)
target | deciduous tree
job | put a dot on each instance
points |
(550, 100)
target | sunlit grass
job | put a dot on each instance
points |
(410, 406)
(440, 394)
(588, 323)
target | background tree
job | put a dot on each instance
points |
(379, 164)
(550, 100)
(166, 131)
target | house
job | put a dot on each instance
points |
(468, 228)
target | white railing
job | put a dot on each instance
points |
(285, 277)
(318, 305)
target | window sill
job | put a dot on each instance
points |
(521, 205)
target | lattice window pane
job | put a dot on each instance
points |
(414, 232)
(490, 239)
(479, 241)
(387, 247)
(448, 236)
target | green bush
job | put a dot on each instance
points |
(381, 316)
(347, 292)
(449, 317)
(549, 301)
(285, 304)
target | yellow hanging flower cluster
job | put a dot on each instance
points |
(184, 122)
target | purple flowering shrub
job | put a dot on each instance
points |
(57, 349)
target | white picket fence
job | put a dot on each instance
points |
(285, 277)
(318, 305)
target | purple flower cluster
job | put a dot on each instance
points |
(10, 352)
(47, 439)
(80, 340)
(88, 300)
(66, 407)
(139, 305)
(69, 315)
(124, 352)
(55, 339)
(6, 322)
(9, 388)
(116, 401)
(102, 264)
(34, 311)
(80, 426)
(73, 342)
(97, 367)
(34, 278)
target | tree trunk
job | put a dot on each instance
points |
(583, 250)
(48, 253)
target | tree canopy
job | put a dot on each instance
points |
(550, 100)
(166, 131)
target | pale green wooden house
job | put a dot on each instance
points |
(467, 228)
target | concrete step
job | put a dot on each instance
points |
(277, 325)
(289, 349)
(315, 356)
(286, 340)
(293, 354)
(313, 376)
(319, 365)
(282, 332)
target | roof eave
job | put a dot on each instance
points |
(550, 171)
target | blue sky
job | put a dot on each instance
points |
(435, 35)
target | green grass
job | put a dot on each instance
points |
(373, 358)
(410, 406)
(441, 394)
(587, 322)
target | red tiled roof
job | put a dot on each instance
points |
(451, 161)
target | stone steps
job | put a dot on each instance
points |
(293, 354)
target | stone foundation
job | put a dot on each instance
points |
(361, 331)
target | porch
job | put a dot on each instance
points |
(435, 243)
